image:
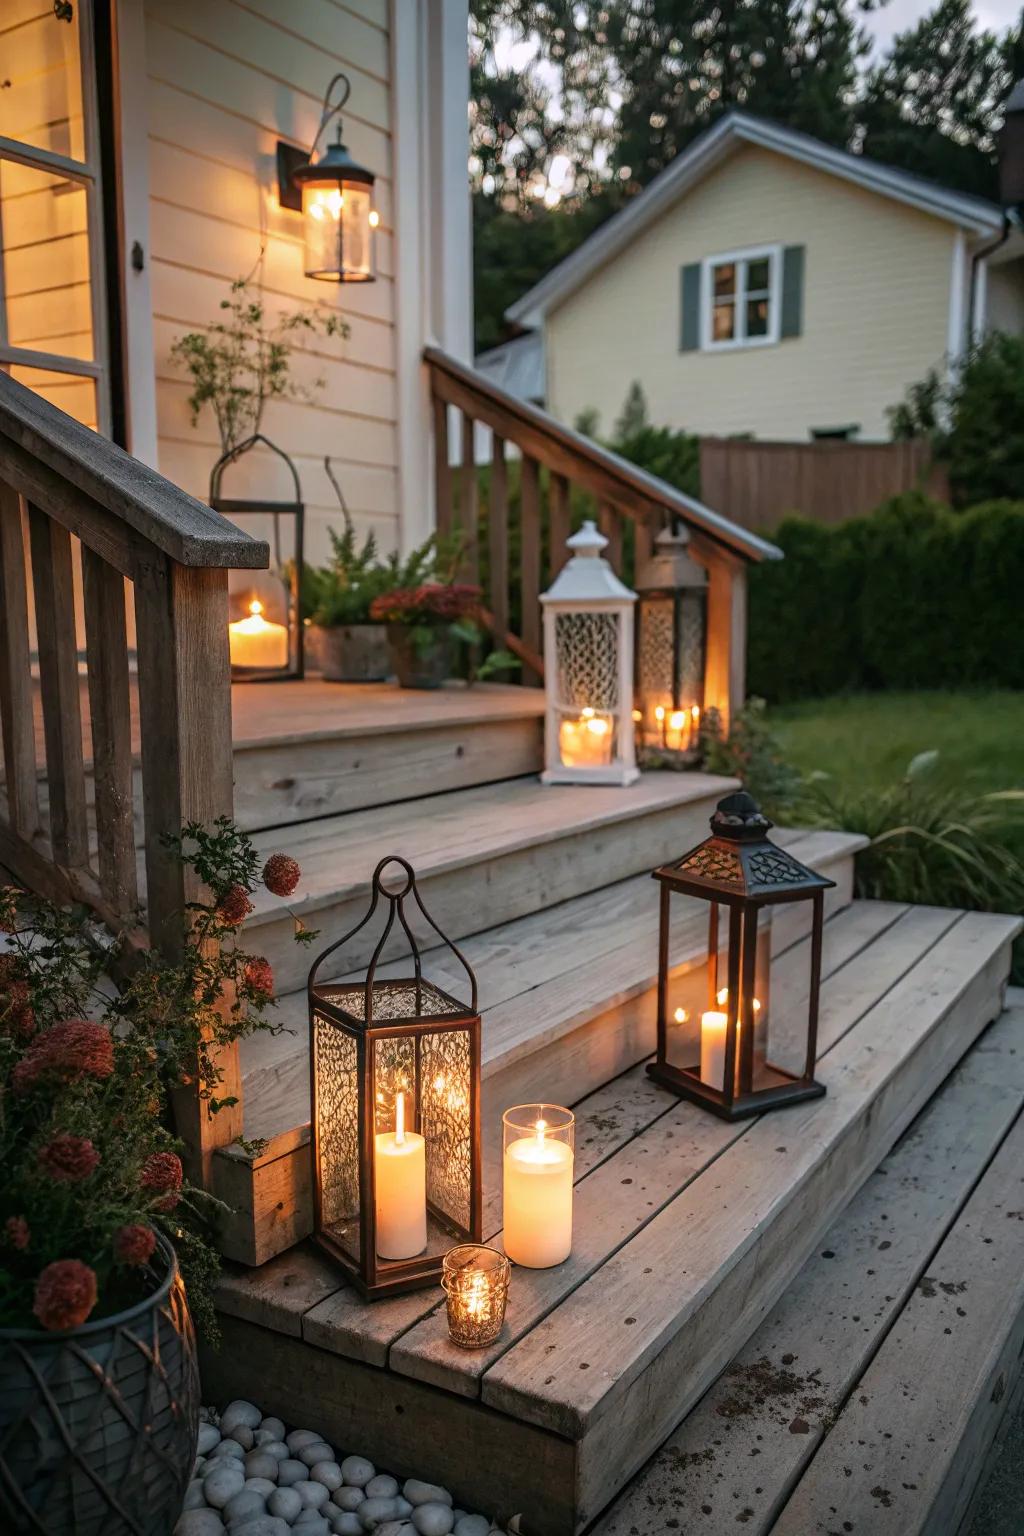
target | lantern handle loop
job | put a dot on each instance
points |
(371, 969)
(332, 108)
(456, 951)
(235, 453)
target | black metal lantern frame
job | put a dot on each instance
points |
(671, 640)
(714, 1019)
(335, 196)
(372, 1040)
(248, 600)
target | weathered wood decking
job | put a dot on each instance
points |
(687, 1231)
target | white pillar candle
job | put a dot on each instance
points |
(400, 1174)
(586, 742)
(713, 1030)
(538, 1200)
(258, 642)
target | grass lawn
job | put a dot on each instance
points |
(868, 739)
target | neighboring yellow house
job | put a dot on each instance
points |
(768, 284)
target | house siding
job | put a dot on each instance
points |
(226, 81)
(875, 315)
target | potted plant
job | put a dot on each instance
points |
(100, 1229)
(425, 623)
(351, 645)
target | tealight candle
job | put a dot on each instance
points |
(400, 1181)
(257, 642)
(475, 1282)
(538, 1184)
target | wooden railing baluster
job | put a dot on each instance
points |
(611, 526)
(558, 522)
(59, 688)
(110, 719)
(442, 467)
(16, 701)
(529, 551)
(468, 502)
(498, 538)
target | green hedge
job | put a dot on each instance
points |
(914, 596)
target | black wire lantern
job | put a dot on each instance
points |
(264, 611)
(395, 1108)
(671, 623)
(336, 198)
(715, 1018)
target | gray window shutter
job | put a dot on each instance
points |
(689, 331)
(792, 290)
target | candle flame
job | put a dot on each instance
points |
(659, 713)
(587, 712)
(255, 607)
(374, 218)
(723, 997)
(681, 1015)
(476, 1295)
(597, 727)
(676, 719)
(439, 1083)
(695, 711)
(541, 1128)
(400, 1120)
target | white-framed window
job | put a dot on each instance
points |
(741, 298)
(52, 293)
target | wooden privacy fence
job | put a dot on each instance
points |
(757, 483)
(67, 824)
(631, 507)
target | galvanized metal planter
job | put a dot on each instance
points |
(98, 1426)
(426, 666)
(353, 653)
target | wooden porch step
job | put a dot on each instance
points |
(566, 993)
(312, 749)
(687, 1232)
(483, 856)
(864, 1400)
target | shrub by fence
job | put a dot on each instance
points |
(913, 596)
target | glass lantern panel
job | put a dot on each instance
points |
(336, 224)
(587, 662)
(446, 1121)
(394, 1073)
(336, 1077)
(263, 623)
(586, 739)
(670, 679)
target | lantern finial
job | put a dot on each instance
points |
(738, 817)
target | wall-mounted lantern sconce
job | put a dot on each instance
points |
(336, 198)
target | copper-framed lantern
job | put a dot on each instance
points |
(264, 614)
(671, 625)
(738, 1029)
(588, 656)
(335, 195)
(395, 1103)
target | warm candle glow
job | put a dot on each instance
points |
(258, 642)
(475, 1281)
(538, 1180)
(681, 1016)
(713, 1031)
(400, 1172)
(586, 742)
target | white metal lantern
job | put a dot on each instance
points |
(588, 651)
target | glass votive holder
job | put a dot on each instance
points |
(537, 1180)
(475, 1282)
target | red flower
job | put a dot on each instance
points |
(234, 906)
(64, 1054)
(16, 1014)
(161, 1175)
(16, 1232)
(259, 976)
(9, 908)
(432, 601)
(65, 1295)
(134, 1244)
(68, 1159)
(281, 874)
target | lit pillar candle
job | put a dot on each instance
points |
(258, 642)
(713, 1030)
(538, 1199)
(400, 1174)
(586, 742)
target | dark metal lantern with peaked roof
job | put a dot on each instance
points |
(737, 1030)
(395, 1102)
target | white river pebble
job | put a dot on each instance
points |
(275, 1448)
(286, 1503)
(396, 1528)
(313, 1495)
(240, 1412)
(195, 1498)
(374, 1512)
(404, 1508)
(357, 1471)
(199, 1522)
(242, 1434)
(227, 1450)
(346, 1523)
(318, 1451)
(300, 1437)
(263, 1525)
(262, 1464)
(312, 1523)
(347, 1498)
(209, 1436)
(273, 1426)
(222, 1484)
(260, 1485)
(425, 1493)
(473, 1525)
(382, 1487)
(245, 1506)
(433, 1519)
(328, 1473)
(289, 1472)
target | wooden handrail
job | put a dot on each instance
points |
(36, 437)
(597, 469)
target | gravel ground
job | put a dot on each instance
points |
(254, 1477)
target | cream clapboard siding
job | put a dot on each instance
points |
(876, 308)
(226, 80)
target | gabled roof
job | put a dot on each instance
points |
(976, 215)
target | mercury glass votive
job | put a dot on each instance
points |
(475, 1282)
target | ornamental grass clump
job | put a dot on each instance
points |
(91, 1170)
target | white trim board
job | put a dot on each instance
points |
(975, 215)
